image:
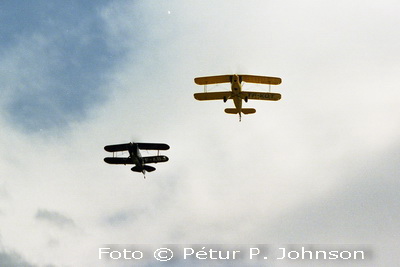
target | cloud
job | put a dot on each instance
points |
(11, 259)
(361, 210)
(54, 218)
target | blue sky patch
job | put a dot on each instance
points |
(57, 59)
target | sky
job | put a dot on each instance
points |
(320, 166)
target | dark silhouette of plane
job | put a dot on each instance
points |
(135, 157)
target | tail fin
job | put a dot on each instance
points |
(248, 110)
(231, 110)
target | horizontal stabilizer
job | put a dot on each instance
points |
(136, 169)
(213, 95)
(149, 168)
(248, 110)
(231, 111)
(155, 159)
(115, 160)
(145, 168)
(244, 110)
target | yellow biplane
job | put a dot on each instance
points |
(236, 93)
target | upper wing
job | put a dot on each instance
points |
(120, 147)
(155, 159)
(213, 95)
(153, 146)
(213, 79)
(260, 79)
(260, 96)
(118, 160)
(243, 78)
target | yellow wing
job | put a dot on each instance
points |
(242, 77)
(213, 95)
(260, 96)
(260, 79)
(213, 79)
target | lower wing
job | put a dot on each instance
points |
(155, 159)
(212, 96)
(114, 160)
(260, 96)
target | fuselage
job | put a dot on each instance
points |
(134, 152)
(236, 88)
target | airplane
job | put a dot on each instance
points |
(236, 93)
(135, 157)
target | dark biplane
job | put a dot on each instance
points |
(135, 157)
